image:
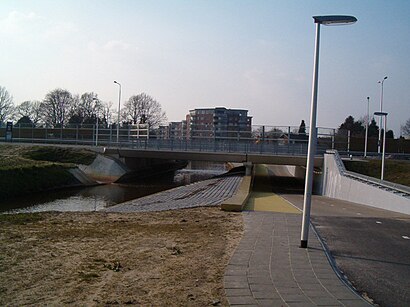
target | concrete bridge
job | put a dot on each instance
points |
(192, 155)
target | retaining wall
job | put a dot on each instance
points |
(337, 185)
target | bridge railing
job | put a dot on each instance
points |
(255, 139)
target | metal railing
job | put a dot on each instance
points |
(386, 185)
(255, 139)
(263, 139)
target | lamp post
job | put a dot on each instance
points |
(381, 110)
(383, 114)
(367, 127)
(96, 127)
(319, 20)
(119, 110)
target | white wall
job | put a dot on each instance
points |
(336, 185)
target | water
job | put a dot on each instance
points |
(102, 196)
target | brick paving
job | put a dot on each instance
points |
(210, 192)
(269, 269)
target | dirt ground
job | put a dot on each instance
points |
(171, 258)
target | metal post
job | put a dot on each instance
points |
(263, 133)
(384, 146)
(288, 139)
(110, 133)
(384, 139)
(76, 134)
(381, 110)
(129, 133)
(311, 147)
(367, 127)
(348, 141)
(119, 112)
(96, 133)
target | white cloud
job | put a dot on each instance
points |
(115, 45)
(30, 26)
(17, 22)
(60, 29)
(110, 46)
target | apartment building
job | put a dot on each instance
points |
(220, 123)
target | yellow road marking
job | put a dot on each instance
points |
(262, 200)
(266, 201)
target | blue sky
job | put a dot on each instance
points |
(256, 55)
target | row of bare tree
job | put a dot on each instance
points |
(60, 108)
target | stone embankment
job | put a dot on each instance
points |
(211, 192)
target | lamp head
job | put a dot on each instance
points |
(380, 113)
(333, 20)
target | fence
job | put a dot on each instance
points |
(261, 139)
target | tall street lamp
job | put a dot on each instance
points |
(381, 110)
(383, 114)
(319, 20)
(119, 110)
(367, 127)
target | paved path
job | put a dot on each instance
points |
(269, 269)
(210, 192)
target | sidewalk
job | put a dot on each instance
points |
(269, 269)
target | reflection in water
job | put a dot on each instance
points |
(102, 196)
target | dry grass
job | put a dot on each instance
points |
(395, 171)
(172, 258)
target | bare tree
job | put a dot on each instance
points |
(106, 112)
(85, 109)
(55, 107)
(143, 108)
(29, 109)
(6, 105)
(405, 129)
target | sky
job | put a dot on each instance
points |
(243, 54)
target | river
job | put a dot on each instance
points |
(99, 197)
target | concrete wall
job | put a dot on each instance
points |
(105, 169)
(336, 185)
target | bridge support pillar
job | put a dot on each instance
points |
(248, 168)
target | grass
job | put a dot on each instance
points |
(20, 219)
(59, 154)
(30, 169)
(396, 171)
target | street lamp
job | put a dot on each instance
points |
(324, 20)
(381, 110)
(383, 114)
(96, 128)
(367, 127)
(119, 110)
